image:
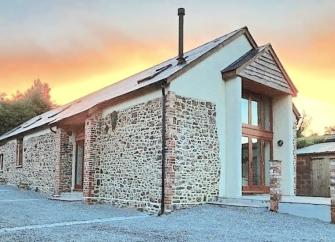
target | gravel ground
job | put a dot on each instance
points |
(202, 223)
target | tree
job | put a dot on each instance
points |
(330, 130)
(303, 124)
(24, 106)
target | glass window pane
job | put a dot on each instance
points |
(256, 161)
(245, 160)
(79, 163)
(254, 108)
(244, 110)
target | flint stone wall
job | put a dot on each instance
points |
(128, 153)
(197, 165)
(128, 172)
(38, 170)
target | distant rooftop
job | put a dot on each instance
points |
(328, 147)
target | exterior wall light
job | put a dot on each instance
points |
(280, 143)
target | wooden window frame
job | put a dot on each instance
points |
(259, 132)
(1, 162)
(250, 96)
(19, 153)
(79, 187)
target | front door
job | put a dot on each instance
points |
(256, 142)
(256, 154)
(79, 165)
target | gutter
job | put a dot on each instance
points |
(163, 146)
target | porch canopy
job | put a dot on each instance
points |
(263, 80)
(261, 70)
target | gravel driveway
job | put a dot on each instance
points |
(27, 216)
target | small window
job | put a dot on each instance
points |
(19, 152)
(1, 162)
(245, 110)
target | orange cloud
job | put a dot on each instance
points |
(81, 69)
(312, 68)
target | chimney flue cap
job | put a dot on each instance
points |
(181, 11)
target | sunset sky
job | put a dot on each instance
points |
(80, 46)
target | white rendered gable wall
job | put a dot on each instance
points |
(204, 81)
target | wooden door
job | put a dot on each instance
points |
(320, 177)
(255, 153)
(79, 165)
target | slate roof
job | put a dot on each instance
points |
(155, 74)
(328, 147)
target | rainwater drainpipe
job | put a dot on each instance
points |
(163, 146)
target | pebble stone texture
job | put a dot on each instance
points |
(275, 180)
(128, 171)
(332, 190)
(38, 169)
(93, 142)
(193, 152)
(123, 156)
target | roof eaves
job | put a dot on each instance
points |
(233, 69)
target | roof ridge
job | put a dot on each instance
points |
(151, 75)
(161, 63)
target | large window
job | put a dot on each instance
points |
(256, 142)
(256, 111)
(19, 152)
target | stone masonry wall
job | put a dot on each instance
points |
(295, 155)
(92, 156)
(38, 168)
(127, 155)
(9, 160)
(129, 169)
(194, 165)
(64, 146)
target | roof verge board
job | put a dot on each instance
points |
(263, 66)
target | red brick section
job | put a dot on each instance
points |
(304, 177)
(275, 181)
(170, 151)
(92, 132)
(61, 138)
(332, 190)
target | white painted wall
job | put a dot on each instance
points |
(204, 82)
(38, 133)
(231, 180)
(132, 102)
(282, 130)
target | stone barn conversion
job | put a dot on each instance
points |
(187, 131)
(313, 169)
